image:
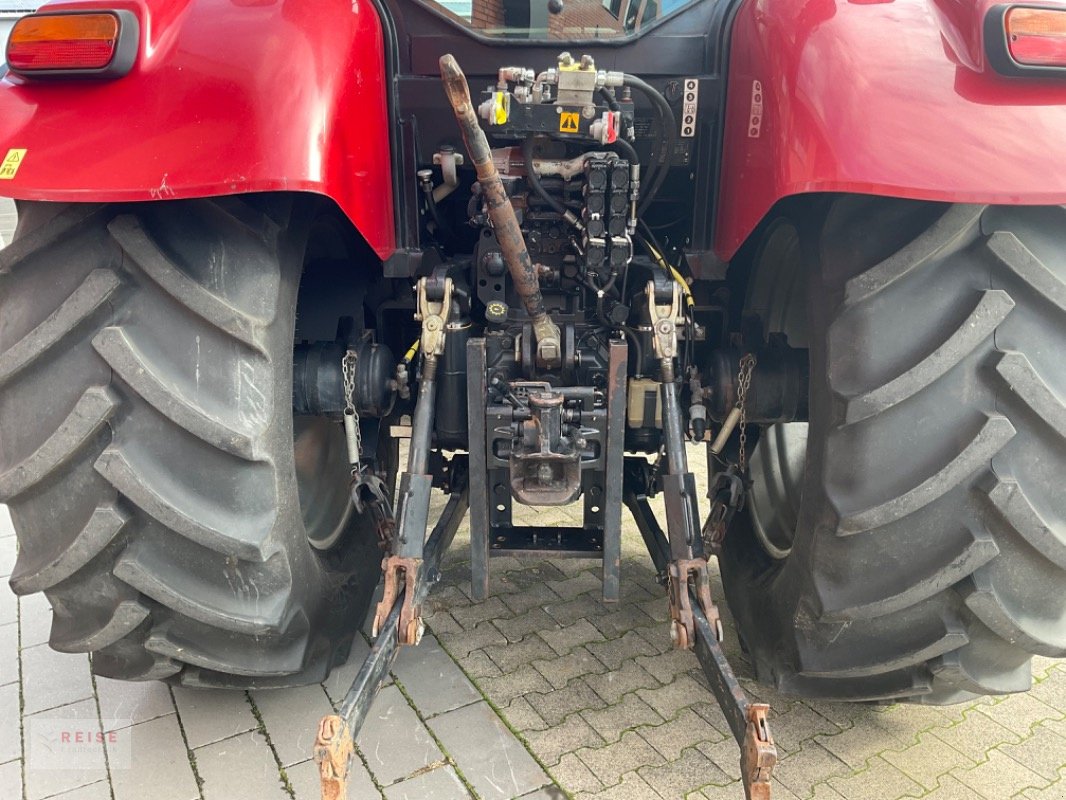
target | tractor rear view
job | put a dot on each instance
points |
(553, 246)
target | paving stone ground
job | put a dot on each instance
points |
(541, 692)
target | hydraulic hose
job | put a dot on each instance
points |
(534, 182)
(656, 176)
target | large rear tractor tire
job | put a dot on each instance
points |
(147, 447)
(910, 542)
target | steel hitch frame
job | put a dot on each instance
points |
(403, 566)
(334, 746)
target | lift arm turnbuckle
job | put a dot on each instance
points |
(403, 566)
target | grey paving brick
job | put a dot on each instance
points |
(1020, 713)
(131, 702)
(670, 699)
(568, 612)
(868, 736)
(8, 554)
(303, 778)
(626, 617)
(560, 671)
(210, 715)
(1000, 776)
(241, 766)
(537, 595)
(469, 616)
(441, 783)
(10, 735)
(687, 729)
(6, 528)
(57, 678)
(611, 762)
(630, 712)
(442, 622)
(63, 750)
(799, 724)
(9, 605)
(9, 651)
(570, 735)
(975, 735)
(556, 706)
(291, 718)
(613, 685)
(1044, 752)
(511, 656)
(524, 681)
(667, 666)
(11, 779)
(630, 787)
(575, 775)
(564, 639)
(878, 779)
(35, 619)
(583, 582)
(159, 767)
(487, 753)
(393, 740)
(466, 642)
(925, 762)
(616, 652)
(531, 621)
(521, 716)
(813, 764)
(683, 775)
(545, 793)
(433, 681)
(1052, 689)
(726, 756)
(101, 790)
(479, 665)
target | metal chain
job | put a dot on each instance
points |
(348, 371)
(747, 366)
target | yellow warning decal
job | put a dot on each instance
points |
(569, 122)
(10, 166)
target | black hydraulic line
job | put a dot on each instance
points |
(628, 151)
(534, 180)
(656, 176)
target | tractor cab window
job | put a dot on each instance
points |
(557, 19)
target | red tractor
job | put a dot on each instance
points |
(262, 241)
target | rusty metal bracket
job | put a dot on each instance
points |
(758, 754)
(334, 750)
(400, 572)
(684, 574)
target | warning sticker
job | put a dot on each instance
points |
(569, 122)
(10, 166)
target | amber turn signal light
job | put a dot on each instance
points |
(72, 43)
(1036, 37)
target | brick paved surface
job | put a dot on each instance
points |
(549, 694)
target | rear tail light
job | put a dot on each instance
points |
(96, 43)
(1036, 37)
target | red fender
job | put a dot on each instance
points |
(227, 96)
(887, 97)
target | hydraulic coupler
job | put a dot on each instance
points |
(402, 567)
